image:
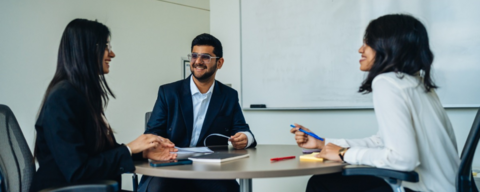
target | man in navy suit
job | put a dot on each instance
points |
(187, 111)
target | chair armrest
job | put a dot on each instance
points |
(104, 186)
(410, 176)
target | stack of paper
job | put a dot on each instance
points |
(194, 150)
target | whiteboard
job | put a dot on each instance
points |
(304, 54)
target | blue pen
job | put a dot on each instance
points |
(308, 133)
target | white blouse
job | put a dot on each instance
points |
(414, 134)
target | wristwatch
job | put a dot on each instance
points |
(341, 152)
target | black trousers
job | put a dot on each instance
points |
(339, 183)
(158, 184)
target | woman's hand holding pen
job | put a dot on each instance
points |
(304, 140)
(329, 151)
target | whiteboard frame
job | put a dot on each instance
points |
(340, 108)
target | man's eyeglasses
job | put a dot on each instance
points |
(206, 58)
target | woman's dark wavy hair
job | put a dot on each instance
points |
(401, 45)
(80, 62)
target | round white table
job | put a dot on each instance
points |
(257, 165)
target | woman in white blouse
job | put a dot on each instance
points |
(414, 130)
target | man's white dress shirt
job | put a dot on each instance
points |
(200, 106)
(414, 134)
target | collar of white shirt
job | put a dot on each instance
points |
(194, 89)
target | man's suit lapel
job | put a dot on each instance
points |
(186, 105)
(213, 108)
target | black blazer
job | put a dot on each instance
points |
(172, 115)
(65, 147)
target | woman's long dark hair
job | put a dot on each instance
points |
(401, 45)
(80, 62)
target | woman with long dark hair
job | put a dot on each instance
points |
(74, 140)
(414, 130)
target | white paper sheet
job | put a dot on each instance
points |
(194, 150)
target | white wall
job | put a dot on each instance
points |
(148, 36)
(224, 25)
(271, 127)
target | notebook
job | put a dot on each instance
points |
(310, 157)
(218, 157)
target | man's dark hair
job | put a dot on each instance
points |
(207, 39)
(401, 45)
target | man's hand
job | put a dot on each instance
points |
(304, 140)
(165, 151)
(239, 140)
(330, 152)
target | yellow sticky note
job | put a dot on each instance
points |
(310, 157)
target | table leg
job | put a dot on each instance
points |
(245, 185)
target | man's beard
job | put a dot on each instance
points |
(206, 75)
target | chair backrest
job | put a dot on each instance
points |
(16, 160)
(147, 117)
(465, 180)
(2, 184)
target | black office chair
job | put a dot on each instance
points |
(392, 177)
(17, 165)
(465, 180)
(147, 117)
(135, 176)
(95, 186)
(16, 160)
(2, 184)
